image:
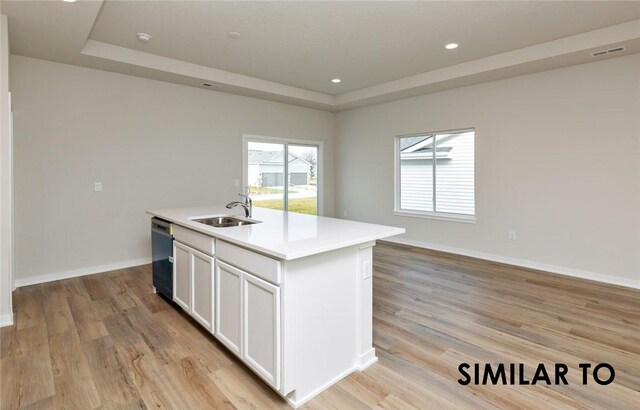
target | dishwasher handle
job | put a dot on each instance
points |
(161, 227)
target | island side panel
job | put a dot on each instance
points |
(320, 322)
(366, 352)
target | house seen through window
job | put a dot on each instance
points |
(435, 174)
(274, 183)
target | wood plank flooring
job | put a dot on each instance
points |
(106, 341)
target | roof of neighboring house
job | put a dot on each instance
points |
(259, 156)
(273, 157)
(421, 147)
(407, 142)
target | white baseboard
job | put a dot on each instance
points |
(302, 400)
(34, 280)
(560, 270)
(367, 359)
(6, 320)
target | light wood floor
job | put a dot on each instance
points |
(106, 341)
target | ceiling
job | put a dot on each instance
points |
(306, 44)
(290, 51)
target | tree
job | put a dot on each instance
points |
(310, 157)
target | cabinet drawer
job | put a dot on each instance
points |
(194, 239)
(259, 265)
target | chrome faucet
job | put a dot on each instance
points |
(247, 205)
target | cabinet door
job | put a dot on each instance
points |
(261, 328)
(182, 276)
(202, 289)
(228, 307)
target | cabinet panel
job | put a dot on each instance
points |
(202, 289)
(228, 306)
(261, 328)
(194, 239)
(261, 266)
(182, 276)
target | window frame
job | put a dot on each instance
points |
(247, 138)
(435, 215)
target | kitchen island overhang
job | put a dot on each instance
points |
(291, 296)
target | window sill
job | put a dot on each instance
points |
(467, 219)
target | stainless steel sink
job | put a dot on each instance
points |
(223, 221)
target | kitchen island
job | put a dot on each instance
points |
(289, 294)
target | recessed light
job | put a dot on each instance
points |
(451, 46)
(69, 1)
(336, 80)
(233, 35)
(144, 37)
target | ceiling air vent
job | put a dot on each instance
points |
(609, 51)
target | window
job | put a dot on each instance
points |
(435, 175)
(292, 185)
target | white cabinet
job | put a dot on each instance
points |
(248, 320)
(193, 274)
(202, 294)
(228, 305)
(182, 275)
(261, 328)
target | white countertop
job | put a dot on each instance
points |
(283, 235)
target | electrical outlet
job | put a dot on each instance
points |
(97, 186)
(512, 235)
(367, 270)
(344, 213)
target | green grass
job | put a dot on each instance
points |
(300, 205)
(260, 190)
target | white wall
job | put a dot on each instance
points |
(557, 160)
(6, 205)
(152, 144)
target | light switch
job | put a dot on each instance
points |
(236, 182)
(367, 270)
(97, 186)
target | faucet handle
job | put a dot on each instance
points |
(247, 199)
